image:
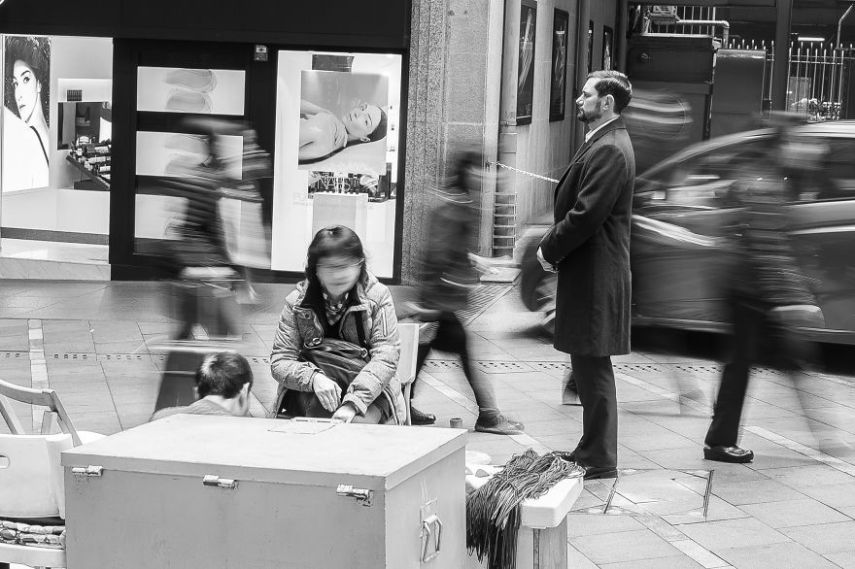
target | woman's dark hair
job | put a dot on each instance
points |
(35, 52)
(223, 374)
(614, 83)
(335, 240)
(458, 178)
(379, 131)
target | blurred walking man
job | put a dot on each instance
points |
(589, 249)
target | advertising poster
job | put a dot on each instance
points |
(197, 91)
(343, 124)
(525, 71)
(337, 117)
(558, 84)
(26, 113)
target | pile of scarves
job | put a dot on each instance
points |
(17, 533)
(493, 510)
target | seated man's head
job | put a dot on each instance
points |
(226, 378)
(365, 122)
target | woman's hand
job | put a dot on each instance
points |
(327, 391)
(345, 413)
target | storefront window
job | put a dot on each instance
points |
(337, 141)
(56, 140)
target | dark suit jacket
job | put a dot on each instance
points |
(589, 244)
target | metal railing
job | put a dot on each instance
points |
(819, 77)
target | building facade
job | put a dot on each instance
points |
(101, 107)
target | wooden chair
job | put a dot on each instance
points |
(31, 476)
(409, 333)
(43, 397)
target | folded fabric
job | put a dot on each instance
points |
(18, 533)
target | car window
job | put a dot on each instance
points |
(703, 180)
(824, 169)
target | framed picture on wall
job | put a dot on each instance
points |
(558, 85)
(608, 47)
(590, 46)
(525, 71)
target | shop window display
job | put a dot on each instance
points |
(56, 152)
(343, 109)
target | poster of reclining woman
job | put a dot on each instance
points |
(343, 122)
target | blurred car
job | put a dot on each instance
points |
(682, 207)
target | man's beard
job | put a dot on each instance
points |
(589, 117)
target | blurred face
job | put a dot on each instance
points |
(361, 120)
(589, 105)
(338, 274)
(27, 90)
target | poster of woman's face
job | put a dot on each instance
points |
(26, 112)
(343, 122)
(558, 88)
(525, 72)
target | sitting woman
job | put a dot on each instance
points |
(339, 300)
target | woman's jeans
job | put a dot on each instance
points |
(451, 337)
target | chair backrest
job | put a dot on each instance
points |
(409, 333)
(44, 397)
(31, 475)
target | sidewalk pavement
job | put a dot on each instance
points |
(794, 506)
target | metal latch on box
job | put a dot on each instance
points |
(89, 471)
(362, 495)
(217, 482)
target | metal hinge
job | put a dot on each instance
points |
(90, 471)
(362, 495)
(217, 482)
(431, 536)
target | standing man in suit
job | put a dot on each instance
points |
(588, 246)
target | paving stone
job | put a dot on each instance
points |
(844, 559)
(802, 476)
(634, 545)
(719, 535)
(777, 556)
(675, 562)
(825, 538)
(754, 492)
(794, 513)
(579, 525)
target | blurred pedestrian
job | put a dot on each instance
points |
(247, 235)
(199, 262)
(448, 276)
(768, 297)
(198, 248)
(588, 246)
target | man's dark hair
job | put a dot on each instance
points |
(614, 83)
(223, 374)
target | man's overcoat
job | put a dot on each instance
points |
(589, 244)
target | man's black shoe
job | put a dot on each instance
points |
(728, 454)
(419, 418)
(595, 472)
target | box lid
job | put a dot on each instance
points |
(272, 450)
